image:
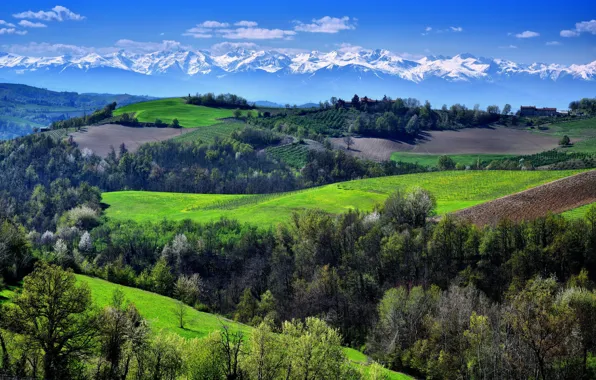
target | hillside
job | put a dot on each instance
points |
(159, 311)
(453, 190)
(23, 108)
(166, 110)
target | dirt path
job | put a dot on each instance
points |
(100, 138)
(556, 197)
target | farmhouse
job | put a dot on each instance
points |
(533, 111)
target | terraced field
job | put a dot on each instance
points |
(166, 110)
(453, 190)
(159, 312)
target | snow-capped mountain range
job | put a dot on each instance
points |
(463, 67)
(300, 77)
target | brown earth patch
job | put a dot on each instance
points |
(101, 138)
(556, 197)
(498, 140)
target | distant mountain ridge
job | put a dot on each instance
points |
(301, 75)
(461, 67)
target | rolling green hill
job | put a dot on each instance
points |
(188, 115)
(453, 190)
(159, 312)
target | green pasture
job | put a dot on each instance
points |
(433, 159)
(578, 213)
(454, 190)
(158, 310)
(166, 110)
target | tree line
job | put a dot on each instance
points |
(219, 101)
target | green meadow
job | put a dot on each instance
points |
(578, 213)
(158, 310)
(454, 190)
(583, 128)
(433, 159)
(166, 110)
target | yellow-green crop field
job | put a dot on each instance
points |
(453, 191)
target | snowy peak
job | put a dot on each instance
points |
(462, 67)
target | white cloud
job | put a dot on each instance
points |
(569, 33)
(149, 47)
(553, 43)
(248, 24)
(198, 32)
(527, 34)
(46, 49)
(508, 47)
(586, 26)
(213, 24)
(7, 24)
(349, 48)
(428, 29)
(224, 47)
(29, 24)
(256, 34)
(580, 27)
(58, 13)
(457, 29)
(12, 31)
(327, 24)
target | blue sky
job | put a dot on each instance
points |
(523, 31)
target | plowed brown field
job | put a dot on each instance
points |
(556, 197)
(101, 138)
(464, 141)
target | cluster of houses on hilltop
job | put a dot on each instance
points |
(534, 111)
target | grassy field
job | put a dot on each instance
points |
(159, 312)
(582, 146)
(433, 159)
(209, 133)
(578, 213)
(453, 190)
(579, 128)
(295, 155)
(188, 115)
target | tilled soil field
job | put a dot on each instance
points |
(464, 141)
(556, 197)
(100, 138)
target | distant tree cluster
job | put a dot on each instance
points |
(586, 106)
(402, 118)
(222, 101)
(95, 117)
